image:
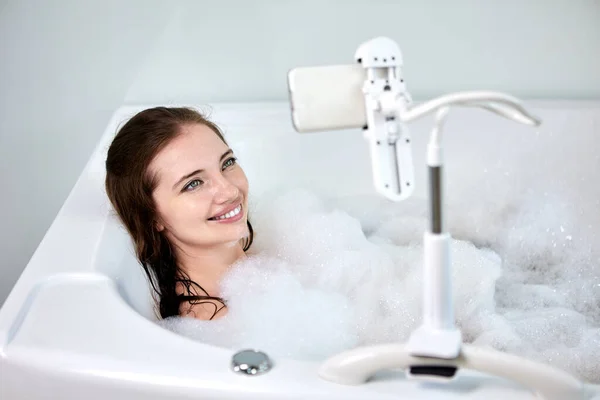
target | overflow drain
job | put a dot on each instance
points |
(251, 362)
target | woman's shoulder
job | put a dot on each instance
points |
(203, 309)
(196, 302)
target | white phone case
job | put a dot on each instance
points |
(327, 97)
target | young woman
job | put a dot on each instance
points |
(176, 186)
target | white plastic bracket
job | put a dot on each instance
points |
(388, 137)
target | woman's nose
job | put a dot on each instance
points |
(225, 190)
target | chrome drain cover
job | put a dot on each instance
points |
(251, 362)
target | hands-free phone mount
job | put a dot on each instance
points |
(434, 350)
(389, 139)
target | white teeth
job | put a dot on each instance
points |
(231, 213)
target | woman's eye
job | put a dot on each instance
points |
(229, 162)
(193, 184)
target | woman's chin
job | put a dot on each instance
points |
(236, 232)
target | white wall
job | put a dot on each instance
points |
(66, 65)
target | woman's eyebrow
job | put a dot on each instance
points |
(199, 170)
(226, 154)
(187, 176)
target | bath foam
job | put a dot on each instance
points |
(269, 309)
(315, 283)
(329, 274)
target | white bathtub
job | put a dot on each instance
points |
(79, 324)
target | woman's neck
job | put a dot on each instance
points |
(206, 267)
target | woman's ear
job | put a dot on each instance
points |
(159, 227)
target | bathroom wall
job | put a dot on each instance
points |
(66, 65)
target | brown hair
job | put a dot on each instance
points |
(129, 187)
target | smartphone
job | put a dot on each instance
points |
(327, 97)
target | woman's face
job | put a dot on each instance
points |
(202, 193)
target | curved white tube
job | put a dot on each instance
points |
(499, 103)
(508, 113)
(512, 110)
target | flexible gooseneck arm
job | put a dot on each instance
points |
(500, 103)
